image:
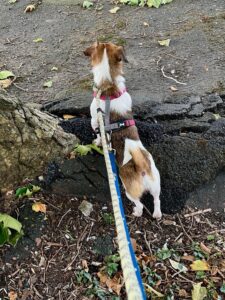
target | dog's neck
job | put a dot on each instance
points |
(104, 78)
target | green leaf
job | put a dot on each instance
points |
(210, 237)
(48, 84)
(164, 253)
(164, 42)
(178, 266)
(27, 190)
(198, 292)
(82, 149)
(10, 222)
(97, 149)
(38, 40)
(133, 2)
(222, 289)
(14, 237)
(87, 4)
(154, 3)
(4, 234)
(5, 74)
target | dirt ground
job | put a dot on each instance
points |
(195, 55)
(64, 255)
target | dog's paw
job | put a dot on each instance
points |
(157, 214)
(97, 142)
(137, 211)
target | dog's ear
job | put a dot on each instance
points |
(89, 51)
(121, 54)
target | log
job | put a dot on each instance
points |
(29, 139)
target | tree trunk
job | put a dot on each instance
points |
(29, 139)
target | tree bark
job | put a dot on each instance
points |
(29, 139)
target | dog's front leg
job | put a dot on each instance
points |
(94, 122)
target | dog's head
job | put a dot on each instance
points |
(108, 56)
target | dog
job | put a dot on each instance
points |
(137, 169)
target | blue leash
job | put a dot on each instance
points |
(135, 264)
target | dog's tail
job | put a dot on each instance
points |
(141, 160)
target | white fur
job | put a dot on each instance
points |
(121, 105)
(102, 71)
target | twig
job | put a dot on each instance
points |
(169, 77)
(63, 217)
(185, 232)
(217, 231)
(38, 294)
(24, 90)
(147, 243)
(199, 212)
(79, 245)
(186, 279)
(177, 238)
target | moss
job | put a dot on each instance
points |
(121, 25)
(112, 38)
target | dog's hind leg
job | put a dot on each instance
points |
(138, 209)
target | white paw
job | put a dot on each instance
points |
(157, 214)
(97, 142)
(137, 212)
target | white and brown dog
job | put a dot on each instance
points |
(137, 169)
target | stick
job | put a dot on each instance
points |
(169, 77)
(147, 243)
(185, 232)
(63, 216)
(199, 212)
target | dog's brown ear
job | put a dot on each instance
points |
(121, 54)
(89, 51)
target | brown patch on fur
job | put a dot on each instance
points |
(119, 137)
(115, 56)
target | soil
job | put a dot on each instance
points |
(56, 247)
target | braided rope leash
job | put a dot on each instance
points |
(131, 272)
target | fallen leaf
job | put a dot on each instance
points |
(150, 290)
(183, 293)
(173, 88)
(5, 83)
(188, 257)
(84, 265)
(12, 295)
(164, 42)
(199, 265)
(205, 248)
(48, 84)
(12, 1)
(145, 24)
(54, 69)
(217, 116)
(178, 266)
(38, 40)
(86, 208)
(87, 4)
(30, 8)
(114, 10)
(198, 292)
(39, 207)
(134, 244)
(67, 117)
(112, 283)
(5, 74)
(169, 222)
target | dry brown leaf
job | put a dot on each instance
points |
(30, 8)
(84, 265)
(169, 222)
(67, 117)
(205, 248)
(5, 83)
(12, 295)
(112, 283)
(199, 265)
(134, 244)
(183, 293)
(188, 257)
(39, 207)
